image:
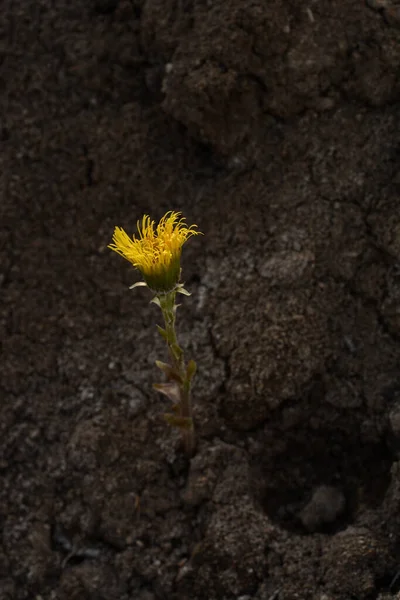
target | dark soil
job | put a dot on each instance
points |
(273, 125)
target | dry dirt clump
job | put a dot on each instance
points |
(274, 127)
(230, 67)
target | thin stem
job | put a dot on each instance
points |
(168, 308)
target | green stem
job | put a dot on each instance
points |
(168, 308)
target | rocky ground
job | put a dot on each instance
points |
(273, 125)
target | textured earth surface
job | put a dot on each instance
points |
(273, 125)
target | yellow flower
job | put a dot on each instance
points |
(156, 252)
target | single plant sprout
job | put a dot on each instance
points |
(156, 252)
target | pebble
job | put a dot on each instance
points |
(326, 504)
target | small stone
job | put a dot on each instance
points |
(326, 504)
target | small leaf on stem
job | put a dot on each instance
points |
(156, 300)
(181, 290)
(138, 284)
(162, 332)
(177, 350)
(171, 390)
(169, 371)
(191, 369)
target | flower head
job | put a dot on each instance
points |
(156, 251)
